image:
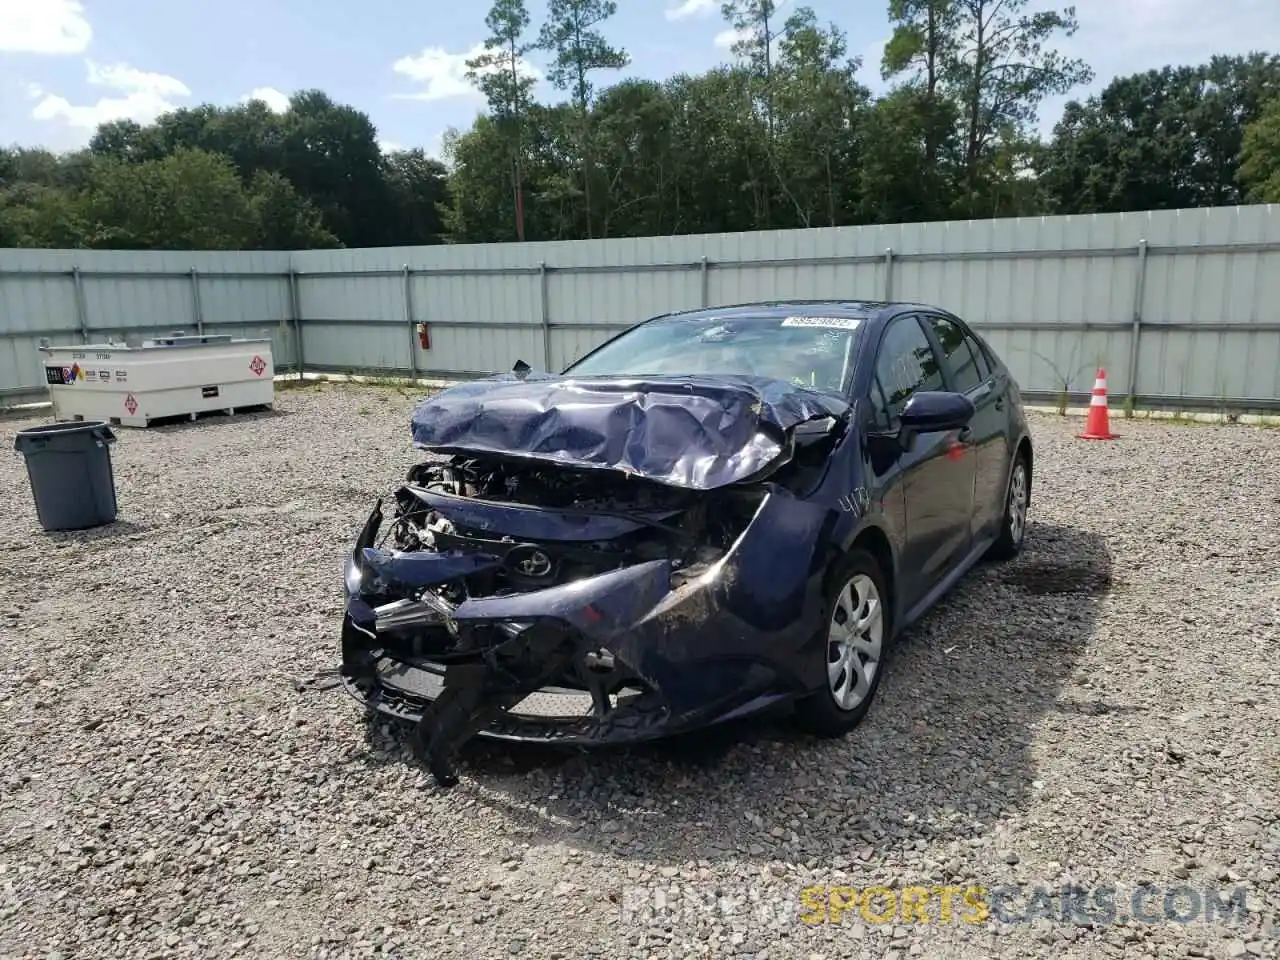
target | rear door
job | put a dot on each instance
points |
(968, 370)
(937, 473)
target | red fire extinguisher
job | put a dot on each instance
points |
(424, 336)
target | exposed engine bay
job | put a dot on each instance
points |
(444, 555)
(553, 579)
(690, 529)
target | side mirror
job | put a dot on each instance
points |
(932, 411)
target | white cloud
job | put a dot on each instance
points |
(43, 26)
(276, 101)
(143, 97)
(120, 76)
(444, 75)
(390, 146)
(725, 39)
(691, 8)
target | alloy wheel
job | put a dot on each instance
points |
(1018, 502)
(854, 641)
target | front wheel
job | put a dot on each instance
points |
(856, 631)
(1013, 528)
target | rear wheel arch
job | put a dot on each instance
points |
(1024, 451)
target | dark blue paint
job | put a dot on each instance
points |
(746, 633)
(394, 572)
(696, 432)
(531, 523)
(934, 410)
(602, 607)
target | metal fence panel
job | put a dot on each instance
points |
(78, 296)
(1197, 292)
(120, 306)
(467, 351)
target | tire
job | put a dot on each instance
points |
(1013, 526)
(841, 700)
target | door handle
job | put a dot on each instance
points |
(965, 435)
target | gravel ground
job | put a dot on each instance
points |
(1102, 712)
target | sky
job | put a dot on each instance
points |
(67, 65)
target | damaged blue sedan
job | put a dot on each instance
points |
(714, 512)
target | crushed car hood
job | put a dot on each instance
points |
(694, 432)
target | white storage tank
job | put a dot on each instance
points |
(133, 384)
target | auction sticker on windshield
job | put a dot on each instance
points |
(833, 323)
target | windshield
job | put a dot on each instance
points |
(814, 352)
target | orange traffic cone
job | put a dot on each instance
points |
(1098, 426)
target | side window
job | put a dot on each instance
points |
(879, 405)
(960, 352)
(979, 356)
(986, 359)
(905, 364)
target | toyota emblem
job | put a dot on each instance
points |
(529, 562)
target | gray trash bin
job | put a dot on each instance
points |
(69, 466)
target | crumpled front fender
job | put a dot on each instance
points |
(396, 572)
(744, 624)
(600, 607)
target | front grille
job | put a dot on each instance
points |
(426, 681)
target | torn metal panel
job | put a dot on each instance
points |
(652, 644)
(614, 555)
(396, 571)
(531, 521)
(698, 433)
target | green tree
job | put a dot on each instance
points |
(331, 155)
(1163, 139)
(285, 219)
(36, 215)
(189, 200)
(1001, 69)
(752, 21)
(923, 42)
(725, 183)
(571, 35)
(634, 125)
(482, 202)
(898, 182)
(1260, 156)
(507, 88)
(994, 61)
(821, 109)
(328, 151)
(127, 140)
(419, 189)
(921, 49)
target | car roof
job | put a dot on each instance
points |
(869, 310)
